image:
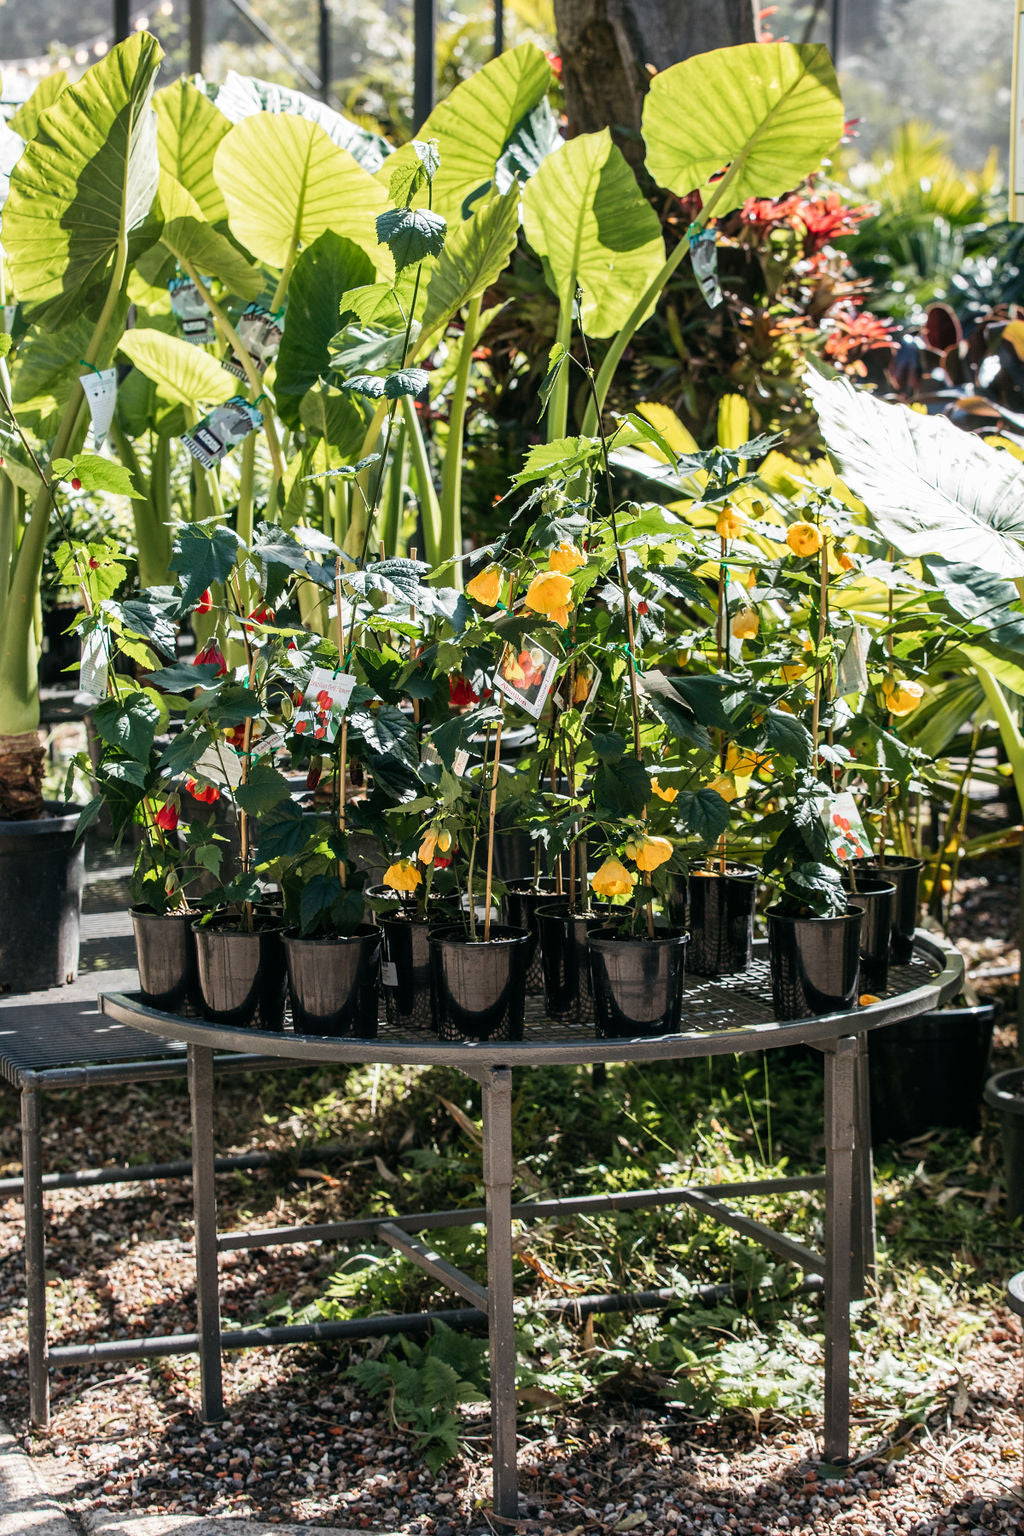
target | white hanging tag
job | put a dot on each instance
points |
(92, 677)
(100, 389)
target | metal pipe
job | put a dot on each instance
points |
(418, 1253)
(499, 27)
(131, 1173)
(840, 1101)
(424, 60)
(196, 35)
(122, 20)
(835, 29)
(324, 47)
(204, 1200)
(35, 1258)
(152, 1071)
(499, 1170)
(268, 35)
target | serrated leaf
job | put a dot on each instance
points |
(128, 723)
(202, 556)
(264, 789)
(99, 474)
(183, 676)
(622, 789)
(788, 735)
(411, 234)
(704, 813)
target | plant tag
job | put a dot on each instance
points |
(92, 677)
(847, 834)
(189, 306)
(217, 433)
(10, 310)
(525, 676)
(389, 974)
(852, 676)
(220, 766)
(266, 746)
(260, 335)
(460, 762)
(324, 700)
(704, 258)
(100, 390)
(429, 755)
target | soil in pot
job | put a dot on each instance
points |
(333, 982)
(568, 994)
(876, 898)
(42, 869)
(929, 1071)
(242, 978)
(165, 948)
(637, 983)
(520, 903)
(1005, 1094)
(721, 920)
(815, 963)
(478, 988)
(405, 967)
(905, 875)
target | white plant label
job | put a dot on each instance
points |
(853, 666)
(92, 678)
(389, 973)
(100, 389)
(324, 701)
(189, 306)
(220, 766)
(525, 676)
(10, 310)
(260, 335)
(220, 431)
(847, 834)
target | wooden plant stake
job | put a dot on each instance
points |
(343, 738)
(490, 829)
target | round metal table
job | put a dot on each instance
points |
(728, 1015)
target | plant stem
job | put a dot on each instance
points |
(451, 470)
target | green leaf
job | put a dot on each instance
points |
(411, 234)
(316, 186)
(182, 373)
(128, 723)
(475, 254)
(265, 789)
(587, 219)
(183, 676)
(609, 746)
(284, 834)
(242, 95)
(407, 381)
(788, 735)
(99, 474)
(703, 813)
(26, 120)
(929, 487)
(190, 239)
(189, 128)
(771, 112)
(85, 182)
(202, 556)
(319, 893)
(534, 138)
(622, 788)
(323, 275)
(333, 415)
(387, 732)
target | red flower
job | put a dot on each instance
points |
(841, 822)
(206, 794)
(236, 737)
(205, 603)
(76, 484)
(853, 333)
(842, 853)
(313, 773)
(212, 653)
(323, 700)
(461, 693)
(642, 609)
(441, 862)
(555, 60)
(260, 616)
(320, 732)
(300, 726)
(166, 817)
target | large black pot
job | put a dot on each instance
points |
(815, 963)
(165, 949)
(405, 969)
(520, 903)
(638, 983)
(41, 873)
(333, 983)
(479, 989)
(905, 874)
(929, 1071)
(721, 920)
(876, 898)
(242, 977)
(568, 994)
(1005, 1094)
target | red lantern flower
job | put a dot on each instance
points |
(211, 654)
(166, 817)
(206, 794)
(205, 603)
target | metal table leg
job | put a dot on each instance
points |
(497, 1129)
(840, 1103)
(35, 1256)
(864, 1254)
(204, 1201)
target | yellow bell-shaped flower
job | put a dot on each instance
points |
(730, 524)
(402, 876)
(549, 593)
(486, 587)
(650, 852)
(745, 624)
(668, 794)
(612, 879)
(901, 695)
(805, 539)
(725, 786)
(566, 558)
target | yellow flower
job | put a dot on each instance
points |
(743, 761)
(650, 852)
(805, 539)
(725, 786)
(682, 658)
(901, 695)
(433, 842)
(402, 876)
(751, 581)
(549, 593)
(486, 587)
(847, 562)
(612, 879)
(745, 624)
(566, 558)
(668, 794)
(793, 672)
(730, 524)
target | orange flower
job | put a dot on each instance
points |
(668, 794)
(649, 852)
(612, 879)
(805, 539)
(745, 624)
(402, 876)
(847, 562)
(486, 587)
(901, 695)
(730, 524)
(549, 593)
(582, 685)
(793, 671)
(725, 786)
(566, 558)
(744, 762)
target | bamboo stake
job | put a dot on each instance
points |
(343, 739)
(490, 829)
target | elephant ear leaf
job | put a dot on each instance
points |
(196, 244)
(929, 487)
(189, 128)
(85, 182)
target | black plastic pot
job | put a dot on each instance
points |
(1005, 1094)
(521, 900)
(721, 920)
(41, 874)
(676, 890)
(815, 963)
(242, 977)
(568, 994)
(333, 982)
(876, 898)
(638, 983)
(165, 949)
(479, 989)
(905, 875)
(405, 970)
(929, 1071)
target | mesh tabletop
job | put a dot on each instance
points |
(41, 1031)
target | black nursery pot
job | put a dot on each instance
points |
(242, 977)
(520, 903)
(676, 891)
(479, 989)
(876, 898)
(1005, 1094)
(42, 869)
(568, 994)
(638, 983)
(333, 983)
(815, 963)
(165, 948)
(929, 1071)
(721, 920)
(405, 969)
(905, 875)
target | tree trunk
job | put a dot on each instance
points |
(21, 776)
(610, 49)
